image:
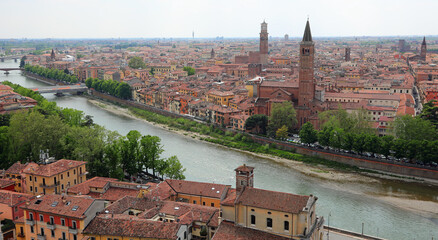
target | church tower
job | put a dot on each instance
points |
(423, 50)
(264, 43)
(306, 92)
(52, 55)
(244, 177)
(212, 53)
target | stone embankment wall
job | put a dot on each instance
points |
(359, 161)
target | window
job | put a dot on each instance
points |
(253, 219)
(75, 181)
(31, 216)
(36, 189)
(31, 229)
(35, 179)
(63, 235)
(52, 220)
(53, 233)
(73, 224)
(31, 188)
(286, 225)
(269, 222)
(203, 203)
(62, 221)
(30, 178)
(212, 204)
(75, 237)
(185, 235)
(41, 218)
(68, 174)
(74, 171)
(194, 201)
(42, 231)
(62, 176)
(62, 186)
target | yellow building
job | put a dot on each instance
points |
(52, 178)
(219, 97)
(282, 214)
(58, 217)
(14, 173)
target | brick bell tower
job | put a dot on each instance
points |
(244, 177)
(264, 43)
(423, 51)
(306, 92)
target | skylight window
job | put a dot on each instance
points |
(54, 204)
(38, 201)
(75, 208)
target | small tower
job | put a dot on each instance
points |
(212, 53)
(423, 51)
(244, 177)
(347, 54)
(52, 55)
(264, 43)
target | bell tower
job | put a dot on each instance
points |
(244, 177)
(306, 92)
(423, 51)
(264, 43)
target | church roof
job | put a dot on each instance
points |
(307, 34)
(424, 41)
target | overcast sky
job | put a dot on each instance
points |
(211, 18)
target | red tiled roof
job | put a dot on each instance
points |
(197, 188)
(13, 198)
(130, 226)
(52, 168)
(65, 205)
(228, 231)
(16, 168)
(6, 183)
(278, 201)
(84, 188)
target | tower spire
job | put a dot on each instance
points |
(424, 41)
(307, 34)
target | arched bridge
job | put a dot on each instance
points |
(62, 89)
(9, 69)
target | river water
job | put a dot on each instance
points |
(349, 204)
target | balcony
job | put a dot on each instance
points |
(72, 230)
(49, 186)
(30, 222)
(41, 237)
(20, 235)
(51, 226)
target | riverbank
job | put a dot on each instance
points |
(327, 175)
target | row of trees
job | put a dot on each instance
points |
(52, 73)
(68, 133)
(111, 87)
(414, 137)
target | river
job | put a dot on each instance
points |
(349, 204)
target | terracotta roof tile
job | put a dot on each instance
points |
(52, 168)
(228, 231)
(13, 198)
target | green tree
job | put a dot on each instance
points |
(4, 147)
(152, 71)
(414, 128)
(22, 62)
(359, 142)
(189, 70)
(282, 114)
(356, 122)
(386, 144)
(372, 143)
(130, 152)
(136, 63)
(308, 134)
(174, 168)
(430, 112)
(281, 133)
(257, 122)
(324, 136)
(124, 91)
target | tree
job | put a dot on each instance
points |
(308, 134)
(152, 71)
(22, 62)
(430, 112)
(124, 91)
(257, 122)
(174, 168)
(324, 136)
(386, 144)
(414, 128)
(189, 70)
(355, 122)
(281, 133)
(282, 114)
(151, 150)
(336, 137)
(130, 152)
(372, 143)
(359, 142)
(136, 63)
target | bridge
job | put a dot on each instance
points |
(60, 90)
(9, 69)
(15, 57)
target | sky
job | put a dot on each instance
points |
(212, 18)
